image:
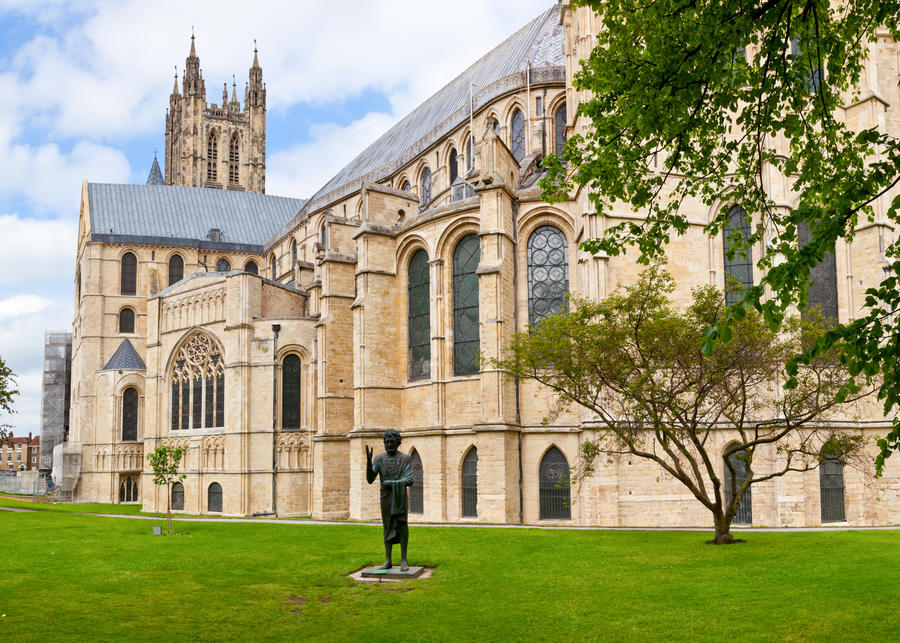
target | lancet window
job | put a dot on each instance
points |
(212, 157)
(176, 269)
(559, 129)
(517, 135)
(129, 274)
(466, 343)
(739, 268)
(419, 316)
(426, 186)
(548, 273)
(823, 291)
(252, 268)
(454, 170)
(198, 385)
(234, 158)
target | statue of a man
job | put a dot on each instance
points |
(395, 469)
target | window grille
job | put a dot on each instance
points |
(739, 267)
(419, 316)
(129, 414)
(744, 514)
(416, 490)
(290, 392)
(823, 291)
(426, 186)
(831, 489)
(554, 486)
(466, 343)
(129, 274)
(559, 129)
(517, 135)
(223, 266)
(548, 273)
(214, 497)
(470, 484)
(176, 269)
(212, 158)
(126, 320)
(252, 268)
(234, 157)
(178, 496)
(454, 171)
(198, 384)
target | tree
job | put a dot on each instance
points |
(7, 392)
(636, 364)
(164, 461)
(702, 100)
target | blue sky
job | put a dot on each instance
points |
(84, 88)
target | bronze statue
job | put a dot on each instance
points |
(395, 469)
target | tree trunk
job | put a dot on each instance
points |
(168, 511)
(723, 531)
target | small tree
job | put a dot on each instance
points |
(7, 392)
(638, 366)
(164, 461)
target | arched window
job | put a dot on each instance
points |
(744, 514)
(454, 170)
(223, 266)
(419, 316)
(831, 489)
(548, 273)
(128, 489)
(293, 253)
(323, 235)
(559, 129)
(426, 186)
(129, 414)
(234, 158)
(212, 157)
(466, 256)
(290, 392)
(823, 292)
(405, 186)
(198, 385)
(416, 490)
(554, 486)
(176, 269)
(517, 134)
(214, 497)
(178, 496)
(273, 267)
(252, 268)
(129, 274)
(470, 484)
(470, 153)
(126, 320)
(738, 268)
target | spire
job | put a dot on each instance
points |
(256, 94)
(156, 177)
(193, 84)
(255, 57)
(234, 100)
(224, 95)
(175, 88)
(193, 53)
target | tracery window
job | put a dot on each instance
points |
(419, 316)
(129, 274)
(198, 385)
(290, 392)
(176, 269)
(823, 291)
(454, 170)
(126, 320)
(559, 129)
(128, 489)
(739, 268)
(426, 186)
(548, 273)
(234, 157)
(252, 268)
(466, 344)
(178, 496)
(214, 497)
(554, 484)
(517, 134)
(416, 490)
(129, 414)
(470, 484)
(212, 157)
(223, 266)
(831, 489)
(744, 514)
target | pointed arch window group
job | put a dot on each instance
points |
(212, 157)
(198, 385)
(234, 160)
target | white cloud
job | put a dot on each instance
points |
(36, 253)
(22, 305)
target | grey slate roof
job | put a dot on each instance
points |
(183, 216)
(125, 358)
(541, 41)
(156, 177)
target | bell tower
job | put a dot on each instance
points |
(216, 146)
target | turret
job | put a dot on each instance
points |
(256, 91)
(193, 84)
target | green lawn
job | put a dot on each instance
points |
(70, 576)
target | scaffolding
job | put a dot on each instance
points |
(66, 469)
(55, 392)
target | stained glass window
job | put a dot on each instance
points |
(129, 274)
(554, 486)
(559, 129)
(126, 320)
(738, 268)
(416, 490)
(548, 273)
(290, 392)
(517, 135)
(198, 383)
(214, 497)
(454, 171)
(176, 269)
(466, 256)
(419, 298)
(426, 186)
(470, 484)
(823, 292)
(129, 414)
(223, 265)
(405, 186)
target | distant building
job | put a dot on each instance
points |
(16, 454)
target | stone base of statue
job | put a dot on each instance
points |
(393, 573)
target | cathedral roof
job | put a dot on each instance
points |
(182, 216)
(541, 43)
(125, 359)
(156, 177)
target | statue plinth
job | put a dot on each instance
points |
(393, 573)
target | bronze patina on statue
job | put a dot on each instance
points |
(395, 470)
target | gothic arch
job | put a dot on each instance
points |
(554, 485)
(196, 382)
(406, 249)
(460, 227)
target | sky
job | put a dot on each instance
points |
(84, 87)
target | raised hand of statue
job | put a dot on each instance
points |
(369, 452)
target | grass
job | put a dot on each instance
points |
(73, 577)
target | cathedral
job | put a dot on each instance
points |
(274, 338)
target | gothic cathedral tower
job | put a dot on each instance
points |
(216, 146)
